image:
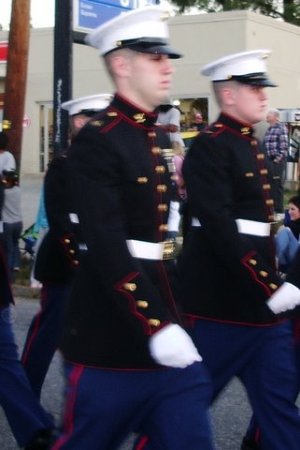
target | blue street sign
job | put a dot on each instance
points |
(89, 14)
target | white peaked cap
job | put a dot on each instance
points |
(140, 29)
(246, 67)
(89, 103)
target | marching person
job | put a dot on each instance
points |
(30, 424)
(288, 259)
(56, 258)
(230, 290)
(128, 360)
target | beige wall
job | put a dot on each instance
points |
(201, 38)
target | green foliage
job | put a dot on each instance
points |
(288, 10)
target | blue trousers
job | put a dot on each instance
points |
(103, 406)
(263, 358)
(286, 248)
(23, 411)
(12, 233)
(44, 334)
(253, 431)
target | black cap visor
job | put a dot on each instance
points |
(149, 45)
(254, 79)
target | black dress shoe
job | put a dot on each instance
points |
(41, 440)
(250, 444)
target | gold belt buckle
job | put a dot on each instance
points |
(169, 250)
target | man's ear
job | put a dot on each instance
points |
(120, 64)
(228, 95)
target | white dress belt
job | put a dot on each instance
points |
(151, 250)
(245, 226)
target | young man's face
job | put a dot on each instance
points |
(149, 79)
(249, 103)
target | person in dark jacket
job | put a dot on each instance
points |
(57, 256)
(288, 259)
(129, 363)
(30, 424)
(230, 291)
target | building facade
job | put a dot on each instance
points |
(200, 38)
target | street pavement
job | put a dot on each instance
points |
(230, 414)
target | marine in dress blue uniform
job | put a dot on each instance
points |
(252, 439)
(57, 256)
(129, 362)
(231, 293)
(30, 424)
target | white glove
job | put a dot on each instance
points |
(286, 297)
(172, 346)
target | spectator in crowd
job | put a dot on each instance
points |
(288, 236)
(276, 147)
(7, 160)
(197, 122)
(169, 120)
(12, 220)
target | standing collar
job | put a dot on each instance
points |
(245, 129)
(133, 112)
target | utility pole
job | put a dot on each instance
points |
(63, 61)
(16, 75)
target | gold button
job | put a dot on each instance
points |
(154, 322)
(112, 114)
(260, 156)
(254, 142)
(219, 125)
(163, 227)
(142, 180)
(67, 241)
(142, 304)
(130, 287)
(263, 274)
(76, 262)
(152, 134)
(273, 286)
(162, 207)
(249, 174)
(72, 251)
(266, 187)
(160, 169)
(269, 201)
(161, 188)
(263, 171)
(253, 262)
(155, 150)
